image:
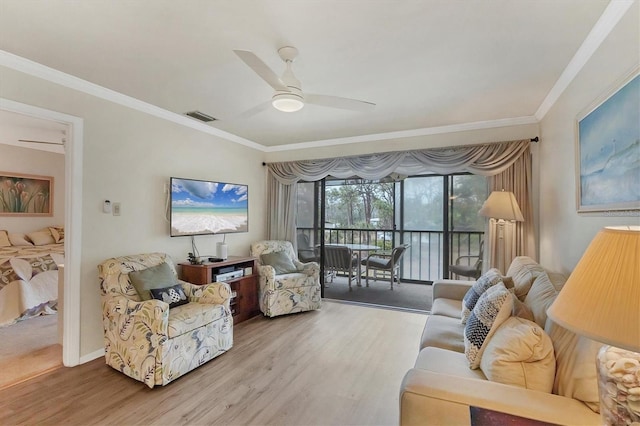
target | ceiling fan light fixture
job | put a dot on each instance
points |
(287, 102)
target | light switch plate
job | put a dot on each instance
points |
(116, 209)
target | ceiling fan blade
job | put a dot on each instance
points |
(337, 102)
(253, 111)
(44, 142)
(260, 68)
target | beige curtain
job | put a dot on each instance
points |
(485, 160)
(505, 160)
(519, 237)
(281, 211)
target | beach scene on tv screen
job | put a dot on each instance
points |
(202, 207)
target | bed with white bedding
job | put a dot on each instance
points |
(29, 281)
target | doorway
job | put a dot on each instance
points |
(70, 315)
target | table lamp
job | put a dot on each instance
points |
(501, 206)
(601, 301)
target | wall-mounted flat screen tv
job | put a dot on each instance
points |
(200, 207)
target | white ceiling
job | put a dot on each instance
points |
(425, 63)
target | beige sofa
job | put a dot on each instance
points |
(441, 388)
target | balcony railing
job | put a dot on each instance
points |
(423, 261)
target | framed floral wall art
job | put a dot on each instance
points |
(608, 150)
(25, 195)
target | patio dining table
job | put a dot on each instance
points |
(357, 249)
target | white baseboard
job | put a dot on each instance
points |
(93, 355)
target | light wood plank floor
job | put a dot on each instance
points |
(341, 365)
(29, 348)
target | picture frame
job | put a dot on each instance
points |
(25, 195)
(608, 150)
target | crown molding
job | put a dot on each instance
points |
(403, 134)
(606, 23)
(36, 69)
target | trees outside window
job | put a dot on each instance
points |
(411, 211)
(360, 204)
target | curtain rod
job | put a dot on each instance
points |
(536, 139)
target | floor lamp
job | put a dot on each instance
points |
(501, 206)
(601, 300)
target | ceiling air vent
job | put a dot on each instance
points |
(200, 116)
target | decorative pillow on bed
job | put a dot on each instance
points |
(19, 240)
(4, 239)
(493, 308)
(41, 238)
(58, 233)
(280, 261)
(488, 279)
(173, 295)
(160, 276)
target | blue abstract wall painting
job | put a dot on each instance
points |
(609, 152)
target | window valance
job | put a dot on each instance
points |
(486, 159)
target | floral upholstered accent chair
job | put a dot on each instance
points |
(291, 286)
(150, 341)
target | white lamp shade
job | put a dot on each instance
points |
(601, 298)
(502, 205)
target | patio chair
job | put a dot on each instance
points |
(306, 252)
(472, 271)
(385, 262)
(340, 259)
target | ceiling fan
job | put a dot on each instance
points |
(288, 96)
(42, 142)
(62, 141)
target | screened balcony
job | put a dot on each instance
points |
(424, 260)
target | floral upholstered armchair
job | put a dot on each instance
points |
(147, 339)
(286, 284)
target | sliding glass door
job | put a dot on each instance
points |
(436, 215)
(467, 193)
(440, 220)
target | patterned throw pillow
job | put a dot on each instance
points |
(493, 308)
(490, 278)
(173, 295)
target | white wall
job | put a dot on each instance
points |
(565, 234)
(34, 162)
(128, 158)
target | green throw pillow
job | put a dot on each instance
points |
(280, 262)
(159, 276)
